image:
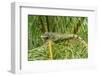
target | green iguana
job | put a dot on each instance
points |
(59, 36)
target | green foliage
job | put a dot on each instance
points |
(67, 49)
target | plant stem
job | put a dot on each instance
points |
(50, 49)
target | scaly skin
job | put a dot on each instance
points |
(58, 36)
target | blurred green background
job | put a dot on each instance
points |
(67, 49)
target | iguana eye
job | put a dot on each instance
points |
(46, 38)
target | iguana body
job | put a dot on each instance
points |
(58, 36)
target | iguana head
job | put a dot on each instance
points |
(46, 36)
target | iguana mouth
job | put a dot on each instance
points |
(43, 36)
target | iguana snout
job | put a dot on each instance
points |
(46, 36)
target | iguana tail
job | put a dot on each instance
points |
(79, 38)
